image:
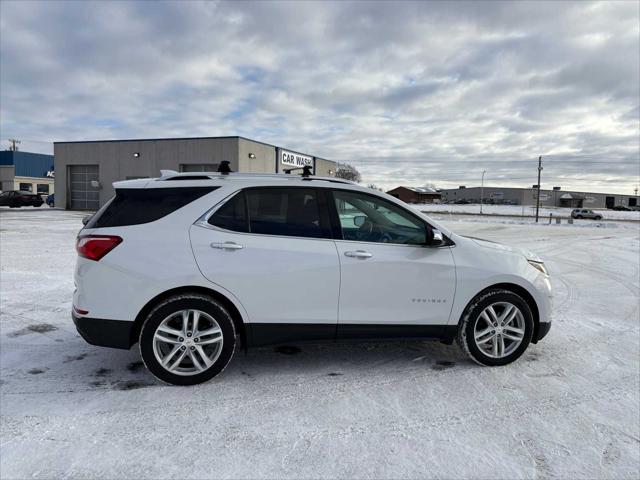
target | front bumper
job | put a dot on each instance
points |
(105, 333)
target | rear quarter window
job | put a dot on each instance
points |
(135, 206)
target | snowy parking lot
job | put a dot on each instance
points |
(569, 408)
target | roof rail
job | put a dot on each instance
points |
(171, 175)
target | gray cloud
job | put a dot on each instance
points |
(408, 92)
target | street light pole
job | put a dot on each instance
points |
(538, 199)
(482, 190)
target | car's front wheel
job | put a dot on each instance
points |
(496, 328)
(187, 339)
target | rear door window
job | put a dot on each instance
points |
(135, 206)
(292, 212)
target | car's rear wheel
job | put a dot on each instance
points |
(496, 328)
(187, 339)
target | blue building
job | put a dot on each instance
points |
(31, 172)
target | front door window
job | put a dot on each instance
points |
(367, 218)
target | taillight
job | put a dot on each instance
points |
(94, 247)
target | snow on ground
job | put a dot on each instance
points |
(520, 210)
(568, 408)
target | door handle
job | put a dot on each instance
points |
(227, 246)
(358, 254)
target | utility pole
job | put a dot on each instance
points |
(538, 197)
(13, 142)
(482, 190)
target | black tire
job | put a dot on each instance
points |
(470, 318)
(579, 216)
(175, 304)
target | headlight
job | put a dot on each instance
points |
(539, 266)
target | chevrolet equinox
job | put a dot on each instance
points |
(189, 266)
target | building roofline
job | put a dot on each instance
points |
(21, 152)
(159, 138)
(542, 190)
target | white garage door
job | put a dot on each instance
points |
(82, 196)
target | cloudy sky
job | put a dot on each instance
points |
(409, 93)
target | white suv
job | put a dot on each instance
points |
(191, 265)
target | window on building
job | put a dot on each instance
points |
(198, 167)
(26, 187)
(43, 188)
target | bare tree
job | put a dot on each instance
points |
(348, 172)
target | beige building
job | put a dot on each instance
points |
(85, 171)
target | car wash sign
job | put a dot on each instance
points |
(295, 160)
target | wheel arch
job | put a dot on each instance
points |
(518, 290)
(236, 316)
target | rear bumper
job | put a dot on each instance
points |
(105, 333)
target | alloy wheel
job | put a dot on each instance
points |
(499, 329)
(187, 342)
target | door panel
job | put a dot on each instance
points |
(388, 273)
(397, 284)
(271, 247)
(278, 280)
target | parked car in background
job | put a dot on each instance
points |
(585, 213)
(202, 263)
(18, 198)
(621, 208)
(51, 200)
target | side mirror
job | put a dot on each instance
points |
(86, 219)
(359, 220)
(434, 237)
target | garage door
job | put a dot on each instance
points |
(81, 194)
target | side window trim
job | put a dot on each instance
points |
(334, 216)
